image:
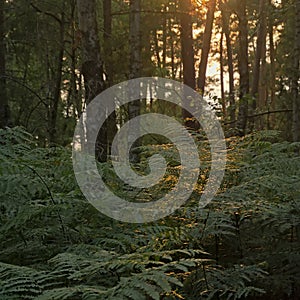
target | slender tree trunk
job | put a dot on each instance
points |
(243, 66)
(223, 99)
(134, 107)
(92, 70)
(272, 64)
(4, 109)
(76, 98)
(206, 45)
(272, 104)
(165, 25)
(57, 89)
(135, 39)
(187, 49)
(296, 76)
(262, 89)
(261, 40)
(107, 37)
(157, 50)
(187, 56)
(54, 74)
(92, 66)
(172, 45)
(226, 29)
(259, 57)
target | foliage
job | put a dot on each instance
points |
(54, 245)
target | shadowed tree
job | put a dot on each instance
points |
(206, 45)
(134, 107)
(296, 75)
(187, 55)
(56, 75)
(107, 37)
(226, 29)
(187, 49)
(260, 56)
(92, 69)
(4, 109)
(243, 65)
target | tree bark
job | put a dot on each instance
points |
(187, 57)
(92, 70)
(165, 25)
(4, 109)
(226, 29)
(135, 39)
(156, 49)
(296, 76)
(134, 107)
(107, 37)
(273, 73)
(243, 66)
(57, 88)
(187, 49)
(223, 98)
(206, 45)
(260, 56)
(75, 95)
(92, 66)
(172, 45)
(271, 119)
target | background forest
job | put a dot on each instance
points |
(242, 56)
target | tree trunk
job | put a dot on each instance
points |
(296, 76)
(57, 88)
(187, 49)
(243, 66)
(92, 70)
(76, 97)
(135, 39)
(260, 55)
(226, 28)
(172, 45)
(223, 99)
(4, 109)
(272, 104)
(206, 45)
(156, 49)
(165, 24)
(262, 89)
(187, 56)
(134, 107)
(107, 37)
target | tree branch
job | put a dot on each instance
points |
(270, 112)
(46, 13)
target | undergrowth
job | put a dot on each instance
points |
(243, 245)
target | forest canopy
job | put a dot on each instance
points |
(243, 56)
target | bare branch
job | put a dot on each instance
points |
(46, 13)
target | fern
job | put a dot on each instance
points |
(54, 245)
